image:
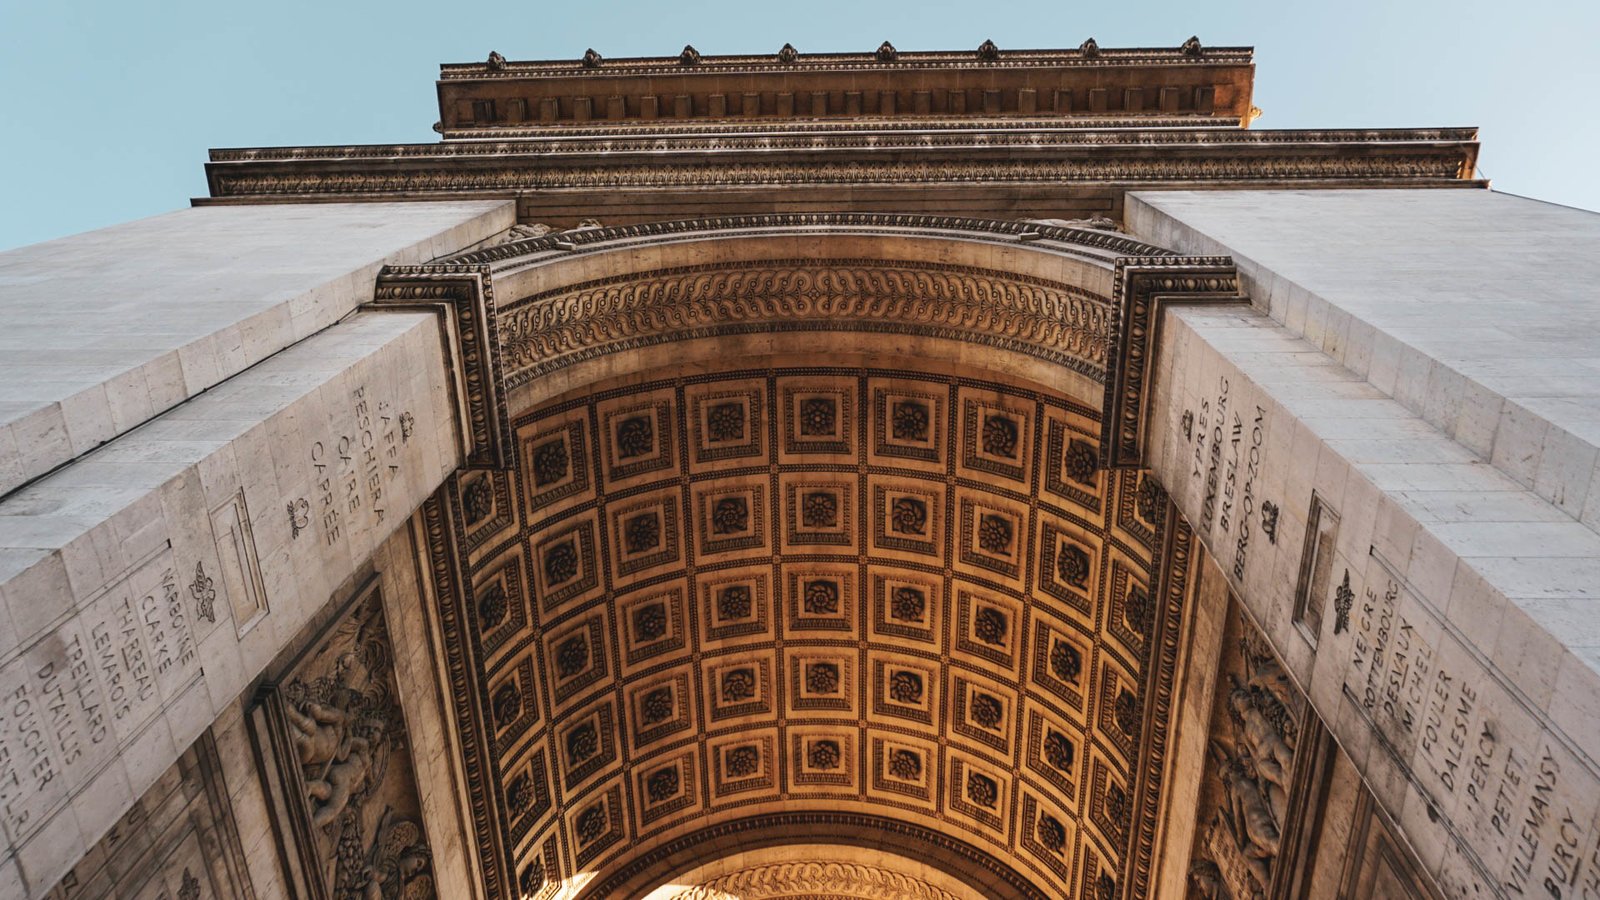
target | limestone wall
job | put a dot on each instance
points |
(105, 329)
(1448, 636)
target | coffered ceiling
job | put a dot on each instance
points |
(706, 608)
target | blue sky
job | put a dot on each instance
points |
(112, 105)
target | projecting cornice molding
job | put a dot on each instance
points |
(463, 298)
(1111, 160)
(1143, 288)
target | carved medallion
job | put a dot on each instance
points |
(822, 597)
(990, 626)
(1072, 565)
(910, 421)
(909, 515)
(730, 515)
(908, 604)
(1065, 661)
(1000, 436)
(995, 534)
(819, 509)
(982, 790)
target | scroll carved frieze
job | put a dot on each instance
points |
(1065, 324)
(826, 879)
(1251, 776)
(335, 753)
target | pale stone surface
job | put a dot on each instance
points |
(1463, 683)
(146, 584)
(106, 329)
(1473, 309)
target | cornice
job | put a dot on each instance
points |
(823, 136)
(849, 62)
(1143, 288)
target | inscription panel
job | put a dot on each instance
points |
(1513, 799)
(74, 700)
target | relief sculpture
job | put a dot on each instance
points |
(1255, 731)
(343, 761)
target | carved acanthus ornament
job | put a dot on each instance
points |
(1066, 324)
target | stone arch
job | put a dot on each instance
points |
(588, 353)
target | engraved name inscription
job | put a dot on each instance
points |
(1513, 800)
(352, 469)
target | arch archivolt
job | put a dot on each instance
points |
(808, 523)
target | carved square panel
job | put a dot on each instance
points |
(659, 708)
(597, 823)
(1097, 874)
(654, 625)
(667, 787)
(586, 744)
(822, 679)
(1118, 711)
(1110, 803)
(644, 535)
(565, 569)
(499, 607)
(1129, 611)
(727, 424)
(818, 419)
(903, 767)
(730, 518)
(554, 461)
(982, 712)
(988, 625)
(909, 423)
(575, 657)
(978, 791)
(487, 513)
(822, 757)
(513, 705)
(1072, 474)
(1061, 667)
(1141, 504)
(735, 605)
(821, 597)
(906, 604)
(738, 687)
(904, 687)
(993, 537)
(1053, 751)
(819, 513)
(743, 762)
(539, 875)
(526, 794)
(1047, 833)
(996, 433)
(907, 517)
(636, 436)
(1069, 565)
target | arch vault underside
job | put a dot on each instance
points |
(703, 589)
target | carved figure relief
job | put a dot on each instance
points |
(1250, 778)
(338, 743)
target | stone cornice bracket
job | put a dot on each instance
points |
(1142, 288)
(463, 297)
